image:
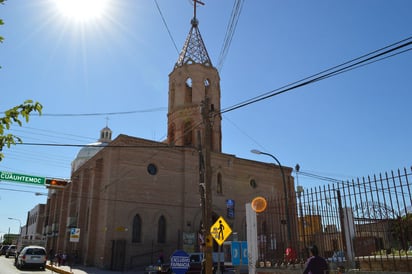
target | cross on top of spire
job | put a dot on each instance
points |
(195, 2)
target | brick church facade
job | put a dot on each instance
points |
(133, 198)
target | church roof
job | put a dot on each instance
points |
(194, 50)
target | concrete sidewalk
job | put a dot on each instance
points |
(64, 269)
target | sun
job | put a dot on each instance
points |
(82, 10)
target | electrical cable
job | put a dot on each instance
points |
(333, 71)
(230, 31)
(165, 24)
(99, 113)
(344, 67)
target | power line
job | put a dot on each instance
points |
(165, 24)
(102, 146)
(377, 55)
(100, 113)
(230, 31)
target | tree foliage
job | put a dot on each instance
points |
(1, 21)
(12, 116)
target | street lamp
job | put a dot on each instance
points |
(285, 193)
(16, 220)
(18, 240)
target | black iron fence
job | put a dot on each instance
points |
(356, 224)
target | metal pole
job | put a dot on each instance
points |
(289, 235)
(15, 219)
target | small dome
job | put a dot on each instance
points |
(90, 150)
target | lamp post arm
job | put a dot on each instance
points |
(286, 196)
(280, 166)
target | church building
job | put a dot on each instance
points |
(131, 199)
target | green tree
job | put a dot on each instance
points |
(15, 115)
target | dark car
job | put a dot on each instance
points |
(3, 249)
(196, 260)
(157, 269)
(11, 251)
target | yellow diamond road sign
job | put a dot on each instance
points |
(220, 230)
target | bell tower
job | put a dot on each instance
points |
(193, 82)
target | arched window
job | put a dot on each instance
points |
(207, 82)
(161, 230)
(207, 86)
(219, 187)
(187, 131)
(188, 91)
(137, 229)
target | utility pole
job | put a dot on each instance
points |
(205, 187)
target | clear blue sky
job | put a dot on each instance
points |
(354, 124)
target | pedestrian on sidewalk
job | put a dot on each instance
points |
(316, 264)
(64, 258)
(51, 256)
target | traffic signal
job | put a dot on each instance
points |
(56, 183)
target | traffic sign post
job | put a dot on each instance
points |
(22, 178)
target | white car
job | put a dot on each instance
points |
(32, 256)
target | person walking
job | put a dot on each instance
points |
(51, 256)
(315, 263)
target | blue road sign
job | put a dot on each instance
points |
(245, 260)
(180, 262)
(236, 253)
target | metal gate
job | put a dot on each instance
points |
(363, 220)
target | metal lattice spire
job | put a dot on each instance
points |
(194, 50)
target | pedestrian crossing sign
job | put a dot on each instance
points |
(220, 230)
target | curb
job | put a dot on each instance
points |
(57, 270)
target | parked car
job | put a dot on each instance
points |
(196, 262)
(3, 249)
(32, 256)
(11, 251)
(157, 268)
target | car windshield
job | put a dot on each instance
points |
(35, 251)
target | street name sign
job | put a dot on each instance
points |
(220, 230)
(21, 178)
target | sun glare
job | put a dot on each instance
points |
(82, 10)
